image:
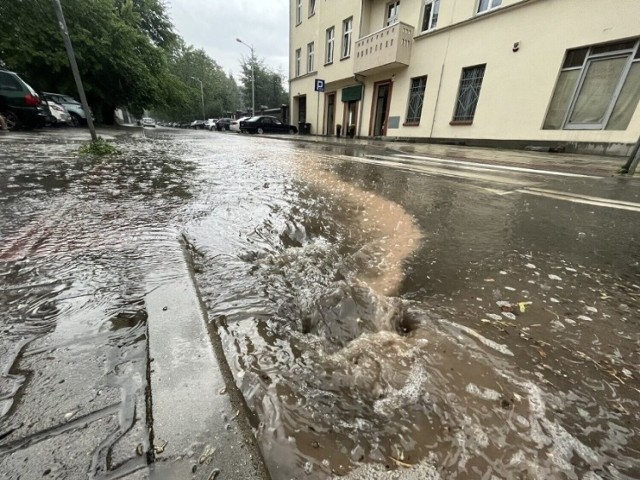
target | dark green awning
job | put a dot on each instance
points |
(350, 94)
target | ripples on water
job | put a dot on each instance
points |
(80, 238)
(347, 380)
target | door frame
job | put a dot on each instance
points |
(374, 96)
(345, 115)
(326, 107)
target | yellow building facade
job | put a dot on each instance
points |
(513, 73)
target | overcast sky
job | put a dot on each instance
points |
(214, 25)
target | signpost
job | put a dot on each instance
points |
(318, 87)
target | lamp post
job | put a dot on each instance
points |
(202, 95)
(253, 77)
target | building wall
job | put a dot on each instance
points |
(517, 86)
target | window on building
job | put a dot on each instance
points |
(347, 29)
(484, 5)
(298, 12)
(430, 16)
(310, 57)
(468, 93)
(598, 88)
(393, 10)
(298, 61)
(312, 7)
(416, 99)
(331, 40)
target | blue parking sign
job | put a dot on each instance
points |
(319, 87)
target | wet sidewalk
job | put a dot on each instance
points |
(594, 165)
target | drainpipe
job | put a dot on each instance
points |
(630, 167)
(361, 114)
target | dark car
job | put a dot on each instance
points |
(20, 105)
(223, 124)
(266, 124)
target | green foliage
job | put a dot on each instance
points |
(270, 91)
(129, 56)
(122, 48)
(99, 148)
(220, 91)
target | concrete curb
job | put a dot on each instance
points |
(199, 419)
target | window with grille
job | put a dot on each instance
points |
(485, 5)
(430, 16)
(598, 88)
(347, 28)
(331, 35)
(416, 99)
(468, 93)
(298, 61)
(310, 56)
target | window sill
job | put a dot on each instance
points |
(411, 124)
(345, 58)
(460, 122)
(312, 15)
(304, 75)
(328, 63)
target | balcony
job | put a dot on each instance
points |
(386, 49)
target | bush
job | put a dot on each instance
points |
(99, 147)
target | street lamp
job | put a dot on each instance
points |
(202, 95)
(253, 78)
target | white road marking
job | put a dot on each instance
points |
(583, 199)
(483, 166)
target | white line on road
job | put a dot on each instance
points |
(484, 166)
(584, 199)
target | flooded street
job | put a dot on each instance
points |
(383, 316)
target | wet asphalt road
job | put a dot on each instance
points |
(384, 316)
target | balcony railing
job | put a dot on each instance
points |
(385, 49)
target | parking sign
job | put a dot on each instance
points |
(319, 87)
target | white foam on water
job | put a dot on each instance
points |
(498, 347)
(484, 393)
(420, 471)
(410, 393)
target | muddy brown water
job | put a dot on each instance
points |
(366, 312)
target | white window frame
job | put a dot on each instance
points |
(311, 54)
(588, 61)
(347, 32)
(298, 12)
(312, 8)
(435, 10)
(298, 65)
(388, 19)
(487, 5)
(330, 45)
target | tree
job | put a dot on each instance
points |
(220, 90)
(123, 57)
(269, 86)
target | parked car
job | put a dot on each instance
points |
(266, 124)
(58, 115)
(148, 122)
(210, 124)
(235, 124)
(20, 105)
(74, 107)
(223, 124)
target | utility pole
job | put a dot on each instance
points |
(634, 159)
(253, 78)
(201, 96)
(74, 66)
